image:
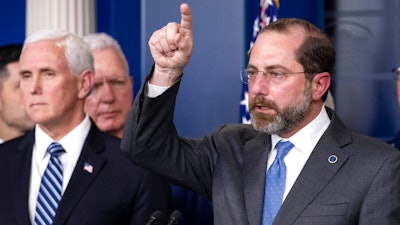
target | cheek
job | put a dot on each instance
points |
(24, 84)
(287, 95)
(124, 95)
(91, 99)
(90, 104)
(24, 95)
(11, 95)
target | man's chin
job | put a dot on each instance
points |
(263, 118)
(106, 125)
(270, 124)
(106, 117)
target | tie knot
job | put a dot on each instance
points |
(55, 149)
(283, 149)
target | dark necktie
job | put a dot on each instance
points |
(275, 184)
(50, 187)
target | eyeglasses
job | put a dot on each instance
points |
(396, 73)
(248, 75)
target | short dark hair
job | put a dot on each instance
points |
(8, 54)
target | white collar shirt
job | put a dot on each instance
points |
(72, 143)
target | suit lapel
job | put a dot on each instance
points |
(81, 178)
(254, 168)
(22, 170)
(317, 172)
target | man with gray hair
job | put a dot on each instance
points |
(109, 103)
(66, 171)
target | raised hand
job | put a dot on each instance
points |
(171, 48)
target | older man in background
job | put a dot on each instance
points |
(109, 103)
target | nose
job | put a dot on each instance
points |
(35, 85)
(108, 94)
(259, 84)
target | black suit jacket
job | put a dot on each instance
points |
(117, 192)
(361, 187)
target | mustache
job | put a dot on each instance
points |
(260, 101)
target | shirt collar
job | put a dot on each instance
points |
(307, 138)
(72, 142)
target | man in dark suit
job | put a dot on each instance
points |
(330, 175)
(97, 184)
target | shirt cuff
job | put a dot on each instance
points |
(155, 91)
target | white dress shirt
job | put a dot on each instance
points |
(304, 142)
(72, 144)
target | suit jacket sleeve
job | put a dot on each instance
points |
(151, 140)
(381, 205)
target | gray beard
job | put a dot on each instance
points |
(286, 119)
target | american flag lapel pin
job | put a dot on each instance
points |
(88, 167)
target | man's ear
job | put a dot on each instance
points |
(320, 85)
(85, 83)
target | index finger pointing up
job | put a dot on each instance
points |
(186, 18)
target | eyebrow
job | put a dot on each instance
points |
(271, 67)
(23, 71)
(46, 69)
(42, 70)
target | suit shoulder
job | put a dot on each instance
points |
(245, 131)
(373, 145)
(10, 145)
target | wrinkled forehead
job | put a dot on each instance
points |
(44, 47)
(43, 54)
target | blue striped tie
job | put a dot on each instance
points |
(275, 184)
(50, 187)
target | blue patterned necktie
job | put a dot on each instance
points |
(50, 187)
(275, 184)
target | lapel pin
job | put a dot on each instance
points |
(88, 167)
(332, 159)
